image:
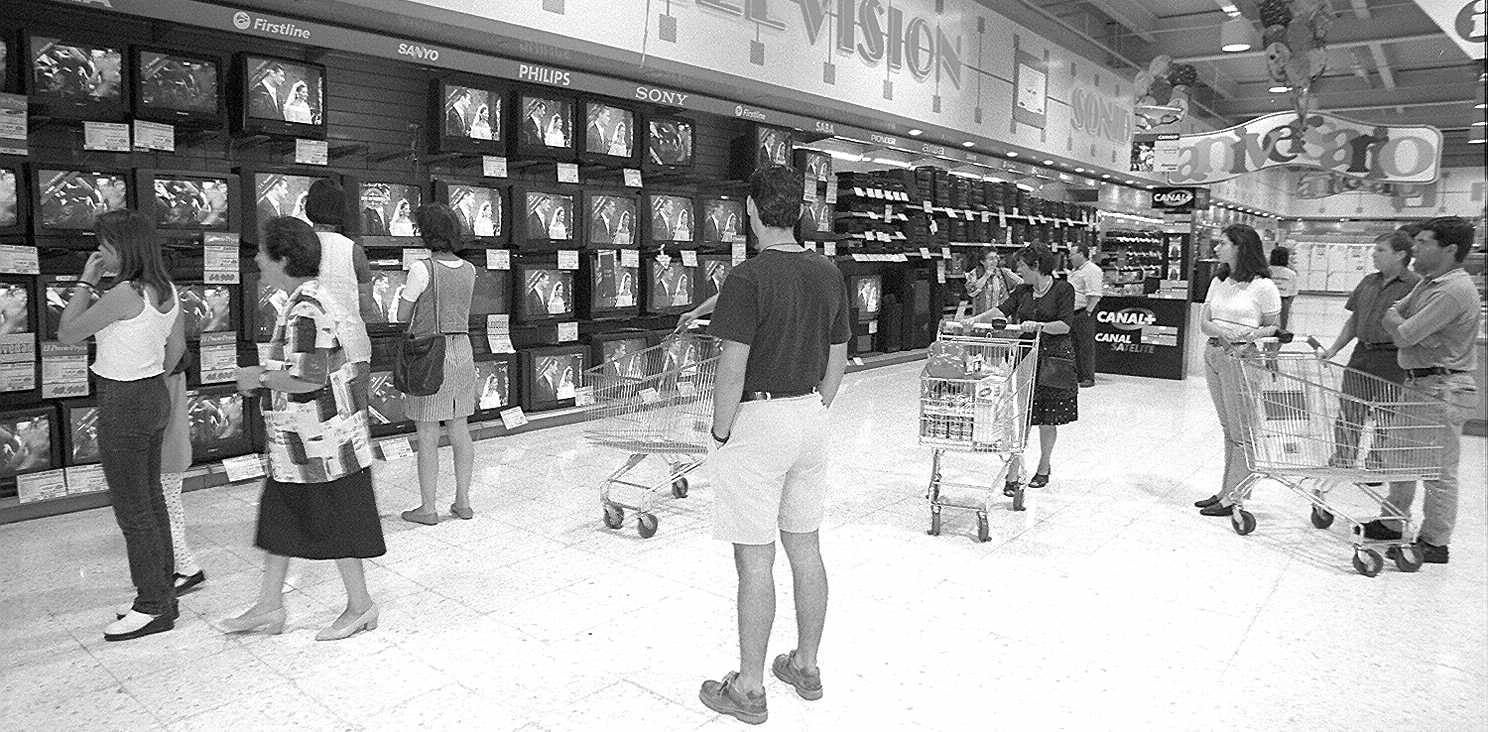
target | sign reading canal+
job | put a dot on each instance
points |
(1127, 318)
(1322, 141)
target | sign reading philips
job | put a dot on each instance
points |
(244, 21)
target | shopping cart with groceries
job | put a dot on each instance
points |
(1320, 429)
(975, 392)
(654, 405)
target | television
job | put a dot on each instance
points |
(723, 220)
(492, 293)
(495, 382)
(468, 116)
(669, 287)
(550, 376)
(611, 133)
(269, 303)
(218, 418)
(177, 88)
(545, 220)
(278, 192)
(280, 96)
(609, 289)
(681, 356)
(388, 280)
(80, 432)
(712, 270)
(610, 220)
(76, 79)
(385, 211)
(764, 145)
(815, 165)
(54, 292)
(28, 441)
(621, 353)
(547, 293)
(12, 202)
(669, 143)
(7, 65)
(670, 218)
(817, 219)
(482, 210)
(866, 292)
(545, 124)
(68, 200)
(386, 414)
(206, 308)
(189, 201)
(17, 306)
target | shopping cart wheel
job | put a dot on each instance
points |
(1320, 518)
(614, 516)
(646, 525)
(934, 522)
(679, 488)
(1368, 562)
(983, 533)
(1018, 500)
(1407, 558)
(1243, 521)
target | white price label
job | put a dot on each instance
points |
(632, 178)
(220, 261)
(154, 136)
(630, 258)
(312, 152)
(583, 396)
(859, 192)
(925, 252)
(493, 166)
(106, 136)
(243, 467)
(86, 479)
(872, 327)
(940, 272)
(689, 258)
(829, 248)
(219, 358)
(808, 188)
(925, 205)
(498, 334)
(17, 259)
(64, 370)
(860, 257)
(568, 331)
(945, 252)
(42, 486)
(395, 449)
(513, 418)
(831, 193)
(856, 361)
(568, 259)
(568, 173)
(649, 395)
(498, 259)
(13, 125)
(686, 388)
(17, 362)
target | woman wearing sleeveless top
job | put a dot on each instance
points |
(437, 300)
(138, 329)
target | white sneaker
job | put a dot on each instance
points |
(138, 625)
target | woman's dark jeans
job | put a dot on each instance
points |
(131, 427)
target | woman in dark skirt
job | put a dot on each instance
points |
(317, 501)
(1045, 306)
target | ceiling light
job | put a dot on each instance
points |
(1480, 123)
(968, 143)
(1012, 153)
(1106, 176)
(1048, 162)
(1079, 170)
(916, 132)
(1279, 89)
(1236, 35)
(1481, 105)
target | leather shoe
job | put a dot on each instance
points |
(271, 622)
(186, 583)
(138, 625)
(1217, 510)
(1376, 530)
(1207, 502)
(1432, 554)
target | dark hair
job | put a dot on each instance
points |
(1452, 231)
(1250, 255)
(132, 235)
(291, 241)
(1037, 257)
(778, 192)
(1083, 249)
(439, 228)
(325, 204)
(1410, 230)
(1281, 257)
(1401, 241)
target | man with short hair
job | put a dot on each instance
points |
(783, 320)
(1089, 282)
(1436, 329)
(264, 101)
(344, 272)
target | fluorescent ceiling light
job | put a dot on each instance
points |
(1079, 170)
(1279, 89)
(1106, 176)
(968, 143)
(1236, 35)
(1048, 162)
(916, 132)
(1012, 153)
(888, 161)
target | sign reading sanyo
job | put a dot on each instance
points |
(245, 21)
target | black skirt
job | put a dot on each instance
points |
(335, 520)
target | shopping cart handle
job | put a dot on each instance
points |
(1284, 336)
(1316, 346)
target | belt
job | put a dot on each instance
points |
(1379, 346)
(765, 396)
(1221, 342)
(1432, 371)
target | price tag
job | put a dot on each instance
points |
(689, 258)
(583, 396)
(568, 173)
(86, 479)
(17, 362)
(860, 257)
(13, 124)
(630, 258)
(220, 262)
(498, 334)
(413, 256)
(940, 272)
(829, 248)
(649, 395)
(312, 152)
(857, 361)
(219, 358)
(106, 136)
(945, 252)
(243, 467)
(925, 252)
(395, 449)
(831, 193)
(568, 259)
(934, 227)
(17, 259)
(808, 190)
(859, 192)
(632, 178)
(513, 418)
(498, 259)
(810, 245)
(888, 212)
(154, 136)
(64, 370)
(1002, 219)
(43, 486)
(899, 258)
(493, 166)
(568, 331)
(926, 206)
(686, 388)
(872, 327)
(739, 251)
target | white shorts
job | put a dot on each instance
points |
(772, 474)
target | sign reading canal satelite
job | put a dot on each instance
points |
(1323, 141)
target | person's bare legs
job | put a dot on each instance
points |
(271, 589)
(755, 564)
(1047, 434)
(809, 578)
(358, 600)
(428, 466)
(464, 449)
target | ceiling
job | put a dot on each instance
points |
(1388, 62)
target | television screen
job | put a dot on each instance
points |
(723, 220)
(10, 198)
(15, 307)
(669, 142)
(547, 293)
(5, 65)
(671, 286)
(493, 384)
(282, 96)
(387, 291)
(387, 208)
(773, 146)
(191, 202)
(816, 165)
(867, 294)
(610, 220)
(478, 208)
(549, 216)
(25, 442)
(712, 271)
(681, 355)
(70, 200)
(555, 376)
(671, 218)
(82, 433)
(624, 357)
(280, 194)
(218, 423)
(206, 308)
(74, 79)
(492, 292)
(612, 285)
(55, 294)
(816, 218)
(174, 87)
(547, 122)
(384, 402)
(609, 130)
(471, 113)
(270, 305)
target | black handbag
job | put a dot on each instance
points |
(419, 368)
(1057, 372)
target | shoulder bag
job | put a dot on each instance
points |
(419, 368)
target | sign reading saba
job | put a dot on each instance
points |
(1322, 141)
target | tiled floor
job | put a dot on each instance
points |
(1108, 604)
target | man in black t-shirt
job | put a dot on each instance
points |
(783, 319)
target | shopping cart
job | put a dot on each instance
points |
(652, 403)
(975, 392)
(1316, 426)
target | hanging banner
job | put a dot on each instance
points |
(1462, 20)
(1388, 154)
(1323, 185)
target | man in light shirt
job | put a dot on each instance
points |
(1088, 282)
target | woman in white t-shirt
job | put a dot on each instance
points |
(1243, 306)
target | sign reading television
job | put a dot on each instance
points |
(1405, 154)
(1175, 199)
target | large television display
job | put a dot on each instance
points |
(669, 287)
(610, 220)
(16, 305)
(68, 200)
(773, 145)
(12, 208)
(277, 193)
(218, 419)
(551, 375)
(545, 125)
(185, 201)
(280, 96)
(547, 220)
(385, 212)
(496, 380)
(492, 293)
(481, 209)
(54, 293)
(817, 219)
(671, 220)
(177, 88)
(76, 79)
(611, 133)
(866, 292)
(80, 432)
(547, 293)
(28, 441)
(669, 143)
(723, 220)
(815, 165)
(469, 117)
(621, 354)
(206, 308)
(386, 414)
(712, 270)
(612, 288)
(388, 281)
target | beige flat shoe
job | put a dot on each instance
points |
(271, 622)
(367, 621)
(419, 517)
(467, 513)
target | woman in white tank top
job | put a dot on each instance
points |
(138, 329)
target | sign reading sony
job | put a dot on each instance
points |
(1099, 116)
(1322, 141)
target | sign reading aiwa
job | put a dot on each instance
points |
(1322, 141)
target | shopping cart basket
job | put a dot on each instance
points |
(975, 393)
(1316, 426)
(656, 402)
